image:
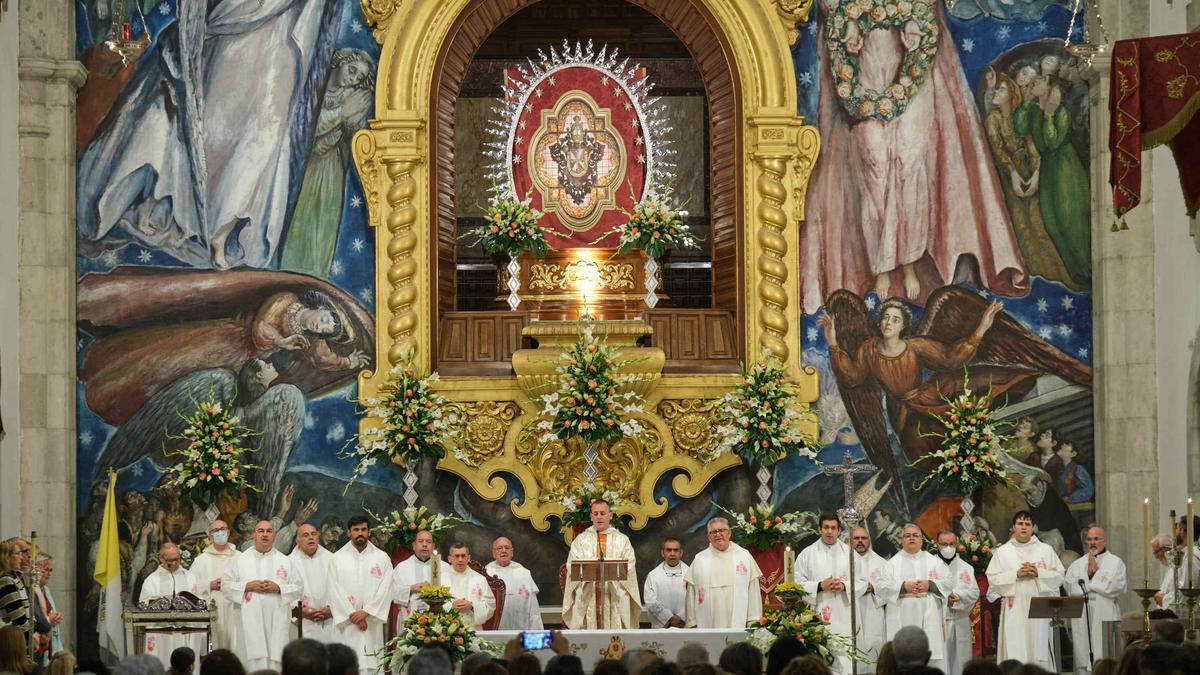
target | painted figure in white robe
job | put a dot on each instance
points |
(1101, 576)
(167, 581)
(823, 570)
(412, 575)
(916, 593)
(959, 602)
(263, 586)
(622, 602)
(198, 160)
(521, 609)
(360, 593)
(473, 598)
(1022, 569)
(722, 583)
(665, 593)
(311, 561)
(208, 568)
(870, 569)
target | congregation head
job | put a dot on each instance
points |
(341, 659)
(741, 658)
(183, 660)
(691, 653)
(782, 652)
(911, 647)
(221, 662)
(431, 661)
(304, 657)
(807, 665)
(144, 664)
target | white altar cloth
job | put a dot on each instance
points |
(589, 645)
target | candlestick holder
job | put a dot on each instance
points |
(1192, 594)
(1147, 596)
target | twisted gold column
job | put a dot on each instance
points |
(773, 271)
(401, 275)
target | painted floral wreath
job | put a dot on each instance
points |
(868, 15)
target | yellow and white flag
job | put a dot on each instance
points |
(110, 623)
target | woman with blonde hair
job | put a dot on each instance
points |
(63, 663)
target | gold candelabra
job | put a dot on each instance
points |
(1147, 596)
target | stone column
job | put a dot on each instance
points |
(1124, 333)
(49, 78)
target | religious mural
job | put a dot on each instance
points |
(223, 249)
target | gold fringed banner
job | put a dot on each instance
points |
(1154, 95)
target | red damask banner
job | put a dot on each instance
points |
(1153, 97)
(579, 151)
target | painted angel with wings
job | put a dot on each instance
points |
(920, 366)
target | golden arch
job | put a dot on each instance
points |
(777, 153)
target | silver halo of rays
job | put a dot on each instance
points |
(650, 111)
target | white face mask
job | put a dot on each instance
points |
(221, 537)
(947, 551)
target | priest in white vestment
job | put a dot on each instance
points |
(412, 575)
(1101, 576)
(360, 593)
(208, 568)
(1022, 569)
(167, 581)
(722, 583)
(311, 561)
(622, 600)
(521, 609)
(870, 569)
(1168, 551)
(263, 586)
(665, 593)
(916, 593)
(959, 603)
(473, 598)
(822, 570)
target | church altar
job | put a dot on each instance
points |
(592, 645)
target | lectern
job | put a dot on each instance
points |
(1056, 608)
(601, 572)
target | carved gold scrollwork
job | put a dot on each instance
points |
(487, 426)
(693, 425)
(368, 171)
(808, 145)
(379, 14)
(792, 12)
(551, 276)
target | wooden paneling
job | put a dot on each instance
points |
(695, 340)
(479, 343)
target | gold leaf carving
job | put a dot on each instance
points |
(379, 15)
(792, 12)
(552, 276)
(693, 424)
(487, 426)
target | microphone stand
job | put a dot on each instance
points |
(1087, 612)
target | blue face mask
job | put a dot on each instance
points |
(220, 537)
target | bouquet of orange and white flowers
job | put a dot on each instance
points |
(976, 550)
(765, 419)
(966, 460)
(429, 629)
(761, 527)
(655, 226)
(401, 527)
(410, 421)
(510, 227)
(588, 402)
(577, 505)
(211, 462)
(802, 622)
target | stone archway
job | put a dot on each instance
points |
(402, 157)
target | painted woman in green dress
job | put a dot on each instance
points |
(1063, 191)
(312, 236)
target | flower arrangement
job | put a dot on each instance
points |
(587, 403)
(432, 629)
(762, 528)
(435, 597)
(401, 527)
(510, 227)
(788, 592)
(577, 504)
(211, 462)
(764, 419)
(654, 226)
(845, 29)
(412, 421)
(976, 550)
(189, 549)
(798, 620)
(966, 460)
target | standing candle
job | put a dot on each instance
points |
(436, 573)
(789, 565)
(1190, 541)
(1146, 543)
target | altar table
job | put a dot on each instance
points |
(590, 645)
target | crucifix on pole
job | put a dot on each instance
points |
(851, 517)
